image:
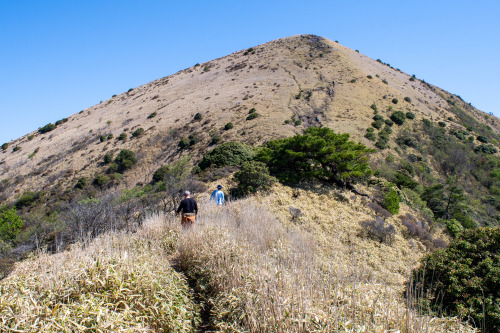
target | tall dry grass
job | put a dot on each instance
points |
(261, 277)
(118, 282)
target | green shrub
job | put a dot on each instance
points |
(389, 122)
(427, 122)
(183, 143)
(108, 158)
(378, 124)
(391, 201)
(10, 224)
(152, 115)
(387, 130)
(62, 121)
(374, 107)
(407, 99)
(101, 180)
(198, 116)
(46, 128)
(227, 154)
(228, 126)
(378, 117)
(382, 142)
(410, 115)
(125, 160)
(442, 124)
(193, 139)
(398, 117)
(252, 110)
(462, 280)
(485, 149)
(370, 130)
(395, 100)
(454, 227)
(30, 137)
(385, 81)
(5, 146)
(216, 139)
(122, 136)
(253, 176)
(81, 183)
(16, 148)
(482, 139)
(319, 153)
(102, 138)
(297, 122)
(110, 136)
(371, 136)
(138, 132)
(353, 81)
(26, 199)
(252, 116)
(369, 76)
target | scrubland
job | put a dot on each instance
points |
(249, 271)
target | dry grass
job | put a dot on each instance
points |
(117, 283)
(263, 277)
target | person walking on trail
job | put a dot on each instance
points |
(218, 196)
(189, 209)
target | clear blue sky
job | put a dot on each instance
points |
(59, 57)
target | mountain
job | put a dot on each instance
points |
(292, 83)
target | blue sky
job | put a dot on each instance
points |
(59, 57)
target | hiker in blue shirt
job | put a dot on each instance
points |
(218, 196)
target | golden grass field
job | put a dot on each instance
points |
(254, 268)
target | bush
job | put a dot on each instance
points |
(125, 160)
(410, 115)
(46, 128)
(370, 130)
(138, 132)
(391, 201)
(385, 81)
(370, 136)
(5, 146)
(398, 117)
(252, 116)
(378, 124)
(378, 117)
(101, 180)
(389, 122)
(378, 230)
(10, 224)
(374, 107)
(122, 136)
(102, 138)
(193, 139)
(110, 136)
(454, 227)
(152, 115)
(216, 139)
(386, 131)
(81, 183)
(319, 153)
(62, 121)
(26, 199)
(228, 126)
(353, 81)
(297, 122)
(254, 176)
(442, 124)
(462, 280)
(395, 100)
(198, 116)
(482, 139)
(108, 158)
(407, 99)
(382, 142)
(485, 149)
(369, 76)
(405, 140)
(16, 148)
(427, 122)
(183, 143)
(227, 154)
(252, 110)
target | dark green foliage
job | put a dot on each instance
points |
(442, 124)
(404, 179)
(406, 140)
(371, 136)
(47, 128)
(198, 116)
(462, 280)
(227, 154)
(152, 115)
(122, 136)
(193, 139)
(110, 136)
(62, 121)
(407, 99)
(369, 76)
(252, 116)
(386, 131)
(183, 143)
(353, 81)
(138, 132)
(108, 158)
(410, 115)
(101, 180)
(427, 122)
(482, 139)
(472, 124)
(385, 81)
(395, 100)
(391, 201)
(102, 138)
(389, 122)
(454, 227)
(5, 146)
(26, 199)
(228, 126)
(378, 124)
(125, 160)
(252, 110)
(486, 149)
(16, 148)
(374, 107)
(319, 153)
(297, 122)
(81, 183)
(445, 201)
(216, 139)
(370, 130)
(253, 176)
(398, 117)
(10, 224)
(382, 142)
(378, 117)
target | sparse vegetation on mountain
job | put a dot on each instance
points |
(81, 183)
(125, 160)
(252, 116)
(152, 115)
(198, 116)
(228, 126)
(47, 128)
(5, 146)
(122, 136)
(398, 117)
(227, 154)
(10, 224)
(253, 176)
(138, 132)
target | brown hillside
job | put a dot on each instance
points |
(290, 78)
